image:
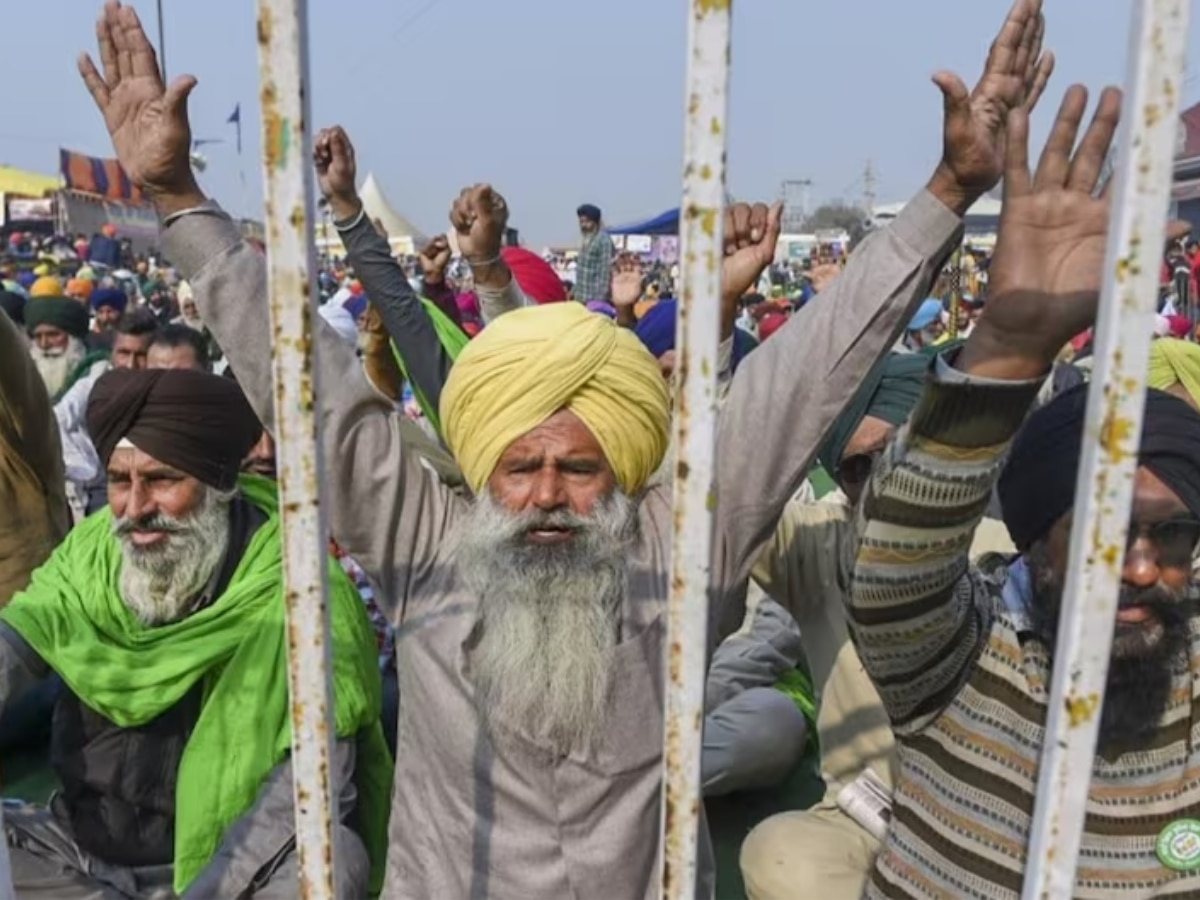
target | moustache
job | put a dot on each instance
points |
(1166, 603)
(164, 524)
(520, 524)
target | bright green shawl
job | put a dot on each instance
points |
(452, 339)
(72, 614)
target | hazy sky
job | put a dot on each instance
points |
(560, 102)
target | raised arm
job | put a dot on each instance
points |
(409, 326)
(917, 614)
(789, 392)
(479, 217)
(369, 449)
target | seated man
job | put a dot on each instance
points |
(963, 659)
(164, 616)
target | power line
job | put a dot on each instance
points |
(415, 17)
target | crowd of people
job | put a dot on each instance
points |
(895, 466)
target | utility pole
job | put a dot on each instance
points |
(795, 196)
(868, 196)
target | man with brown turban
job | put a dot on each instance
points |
(530, 620)
(164, 617)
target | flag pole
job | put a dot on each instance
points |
(162, 44)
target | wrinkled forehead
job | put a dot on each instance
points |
(127, 459)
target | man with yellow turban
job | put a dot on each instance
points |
(1175, 368)
(531, 640)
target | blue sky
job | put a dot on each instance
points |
(560, 102)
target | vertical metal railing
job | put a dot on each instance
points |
(6, 882)
(287, 159)
(695, 418)
(1141, 195)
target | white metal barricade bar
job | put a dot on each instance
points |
(287, 155)
(1145, 151)
(6, 882)
(701, 220)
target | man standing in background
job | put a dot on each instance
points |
(594, 266)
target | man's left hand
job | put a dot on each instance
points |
(751, 233)
(973, 141)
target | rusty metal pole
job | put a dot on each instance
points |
(287, 158)
(701, 219)
(6, 883)
(1112, 433)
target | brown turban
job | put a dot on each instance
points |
(199, 423)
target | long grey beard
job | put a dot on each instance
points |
(161, 584)
(548, 617)
(56, 366)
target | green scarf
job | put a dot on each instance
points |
(84, 367)
(452, 339)
(72, 614)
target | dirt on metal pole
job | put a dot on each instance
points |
(287, 157)
(1112, 432)
(695, 414)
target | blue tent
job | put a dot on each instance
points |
(664, 223)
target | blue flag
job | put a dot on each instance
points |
(235, 118)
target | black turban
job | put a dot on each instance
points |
(63, 313)
(13, 306)
(199, 423)
(1037, 486)
(589, 211)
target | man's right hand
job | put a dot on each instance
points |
(148, 123)
(1046, 275)
(434, 259)
(626, 281)
(333, 156)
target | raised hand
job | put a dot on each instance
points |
(973, 139)
(479, 217)
(434, 259)
(822, 275)
(148, 123)
(333, 156)
(626, 281)
(1045, 278)
(751, 233)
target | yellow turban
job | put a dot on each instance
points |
(529, 364)
(46, 286)
(1172, 362)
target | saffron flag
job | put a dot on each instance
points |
(93, 175)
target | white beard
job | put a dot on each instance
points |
(56, 366)
(548, 624)
(160, 584)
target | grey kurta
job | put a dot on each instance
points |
(479, 816)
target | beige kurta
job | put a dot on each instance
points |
(34, 515)
(478, 815)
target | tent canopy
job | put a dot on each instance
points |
(664, 223)
(27, 184)
(377, 207)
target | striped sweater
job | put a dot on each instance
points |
(967, 688)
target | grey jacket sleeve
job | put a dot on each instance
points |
(256, 846)
(787, 393)
(409, 326)
(386, 509)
